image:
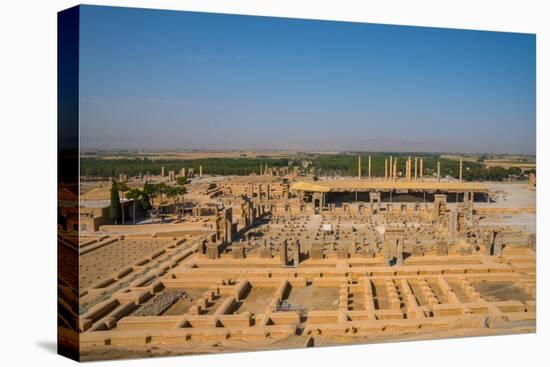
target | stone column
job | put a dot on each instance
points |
(369, 167)
(490, 243)
(200, 171)
(359, 168)
(395, 169)
(385, 169)
(399, 254)
(283, 252)
(460, 174)
(438, 171)
(228, 216)
(453, 222)
(415, 167)
(497, 246)
(297, 253)
(387, 252)
(421, 168)
(391, 168)
(161, 171)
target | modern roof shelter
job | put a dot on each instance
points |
(350, 185)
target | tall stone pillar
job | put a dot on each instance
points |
(161, 171)
(415, 168)
(283, 252)
(200, 171)
(395, 169)
(421, 168)
(497, 246)
(228, 217)
(409, 169)
(399, 254)
(385, 169)
(374, 202)
(297, 253)
(387, 253)
(359, 168)
(460, 172)
(391, 168)
(490, 243)
(369, 167)
(438, 171)
(453, 223)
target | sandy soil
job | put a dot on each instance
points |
(104, 261)
(256, 301)
(501, 291)
(314, 298)
(181, 306)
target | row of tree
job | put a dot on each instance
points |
(106, 168)
(326, 165)
(146, 198)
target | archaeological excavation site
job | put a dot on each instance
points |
(282, 259)
(233, 183)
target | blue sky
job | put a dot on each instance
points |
(152, 79)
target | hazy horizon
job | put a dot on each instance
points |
(167, 80)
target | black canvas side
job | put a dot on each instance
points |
(67, 185)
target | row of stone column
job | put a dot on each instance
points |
(390, 169)
(360, 168)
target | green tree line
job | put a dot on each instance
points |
(97, 167)
(329, 165)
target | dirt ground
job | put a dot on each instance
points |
(501, 291)
(181, 306)
(314, 298)
(256, 301)
(104, 261)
